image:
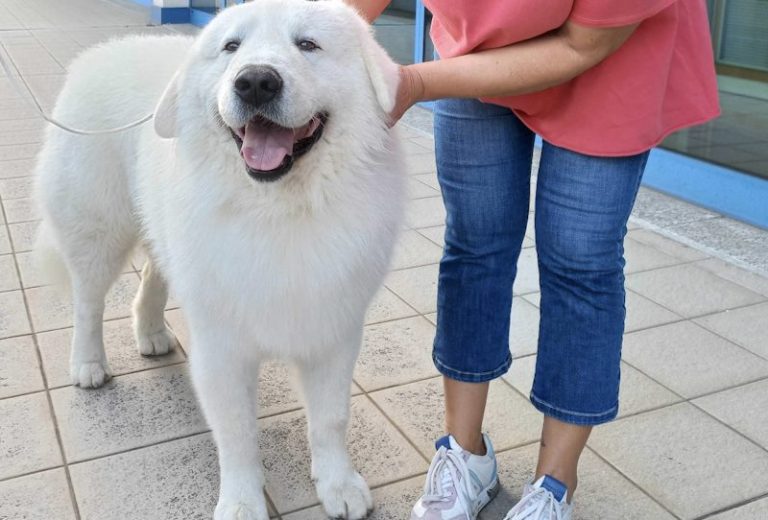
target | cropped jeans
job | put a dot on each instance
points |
(583, 202)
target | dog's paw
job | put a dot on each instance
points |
(238, 510)
(157, 343)
(348, 498)
(90, 375)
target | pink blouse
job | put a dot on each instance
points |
(662, 78)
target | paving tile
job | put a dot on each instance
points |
(178, 324)
(23, 235)
(752, 511)
(413, 249)
(51, 308)
(19, 367)
(752, 281)
(5, 242)
(643, 257)
(395, 352)
(527, 278)
(13, 315)
(682, 445)
(745, 408)
(743, 242)
(667, 245)
(637, 392)
(603, 493)
(392, 502)
(412, 147)
(691, 360)
(417, 286)
(747, 327)
(19, 167)
(9, 279)
(27, 438)
(386, 306)
(422, 213)
(20, 210)
(17, 188)
(119, 343)
(430, 179)
(420, 163)
(176, 480)
(128, 412)
(690, 291)
(523, 328)
(642, 313)
(40, 496)
(418, 410)
(14, 152)
(419, 190)
(436, 234)
(379, 452)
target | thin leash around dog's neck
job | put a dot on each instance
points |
(16, 83)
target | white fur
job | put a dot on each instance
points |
(283, 269)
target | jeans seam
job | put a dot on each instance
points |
(500, 369)
(569, 412)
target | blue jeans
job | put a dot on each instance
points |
(582, 206)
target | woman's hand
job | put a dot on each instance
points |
(410, 90)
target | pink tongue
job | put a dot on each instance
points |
(265, 147)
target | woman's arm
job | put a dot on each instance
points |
(370, 9)
(521, 68)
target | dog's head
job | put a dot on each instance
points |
(275, 77)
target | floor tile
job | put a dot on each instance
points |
(23, 235)
(9, 278)
(642, 257)
(178, 324)
(418, 410)
(642, 313)
(413, 249)
(176, 480)
(5, 241)
(527, 279)
(422, 213)
(119, 343)
(19, 367)
(27, 438)
(395, 352)
(430, 179)
(420, 163)
(684, 458)
(391, 502)
(743, 277)
(691, 360)
(417, 286)
(13, 315)
(667, 245)
(436, 234)
(745, 408)
(524, 327)
(15, 152)
(419, 190)
(40, 496)
(753, 511)
(387, 306)
(603, 492)
(128, 412)
(690, 291)
(20, 210)
(747, 327)
(18, 188)
(51, 308)
(379, 452)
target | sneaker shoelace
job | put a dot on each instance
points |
(447, 470)
(537, 504)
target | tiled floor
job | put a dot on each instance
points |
(690, 441)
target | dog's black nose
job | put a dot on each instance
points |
(257, 85)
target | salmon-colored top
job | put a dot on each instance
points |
(660, 80)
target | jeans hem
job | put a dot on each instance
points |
(472, 377)
(571, 417)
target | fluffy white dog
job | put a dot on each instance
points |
(268, 197)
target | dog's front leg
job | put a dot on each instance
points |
(326, 383)
(226, 387)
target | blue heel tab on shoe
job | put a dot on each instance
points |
(554, 486)
(443, 442)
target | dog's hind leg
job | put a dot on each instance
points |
(325, 383)
(152, 336)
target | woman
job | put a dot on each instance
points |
(602, 82)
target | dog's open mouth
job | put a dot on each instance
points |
(269, 149)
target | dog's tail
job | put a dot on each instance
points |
(48, 261)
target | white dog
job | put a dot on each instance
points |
(268, 195)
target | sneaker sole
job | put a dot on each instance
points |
(491, 491)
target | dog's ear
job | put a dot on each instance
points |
(382, 71)
(166, 111)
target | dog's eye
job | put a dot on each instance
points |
(307, 45)
(232, 46)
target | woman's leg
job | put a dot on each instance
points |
(582, 207)
(483, 165)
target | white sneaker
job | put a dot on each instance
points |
(459, 484)
(545, 499)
